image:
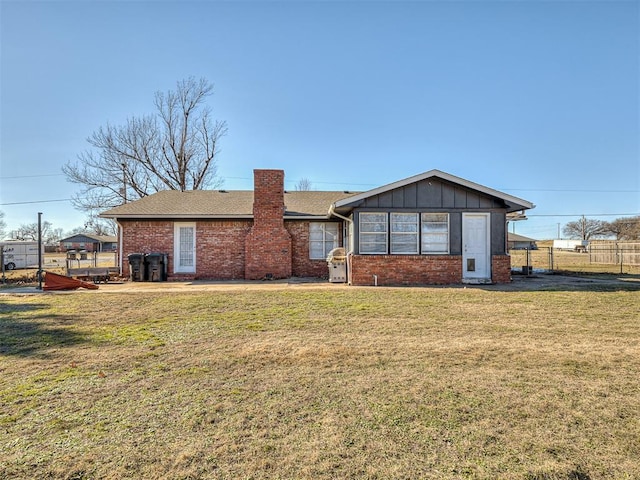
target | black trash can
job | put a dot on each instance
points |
(156, 266)
(137, 271)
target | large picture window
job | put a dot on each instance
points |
(323, 237)
(404, 233)
(435, 232)
(373, 232)
(184, 248)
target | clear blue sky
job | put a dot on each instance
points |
(539, 99)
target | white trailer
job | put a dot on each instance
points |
(20, 254)
(571, 245)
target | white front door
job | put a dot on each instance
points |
(476, 254)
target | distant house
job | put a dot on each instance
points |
(90, 243)
(432, 228)
(519, 242)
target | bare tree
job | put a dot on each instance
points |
(586, 229)
(625, 228)
(100, 226)
(303, 185)
(29, 231)
(176, 148)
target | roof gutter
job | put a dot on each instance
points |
(332, 212)
(173, 216)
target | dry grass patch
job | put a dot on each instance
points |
(356, 383)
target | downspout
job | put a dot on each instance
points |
(332, 212)
(120, 245)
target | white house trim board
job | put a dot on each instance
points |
(518, 203)
(184, 247)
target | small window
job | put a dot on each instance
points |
(435, 233)
(373, 233)
(404, 233)
(184, 248)
(323, 237)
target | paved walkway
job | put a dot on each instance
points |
(519, 283)
(196, 285)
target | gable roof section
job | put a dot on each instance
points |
(514, 237)
(97, 238)
(189, 204)
(513, 203)
(306, 203)
(222, 204)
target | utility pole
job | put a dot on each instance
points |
(124, 182)
(558, 230)
(39, 250)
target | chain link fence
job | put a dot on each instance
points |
(600, 257)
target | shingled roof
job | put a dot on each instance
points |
(222, 204)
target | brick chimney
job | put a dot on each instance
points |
(268, 244)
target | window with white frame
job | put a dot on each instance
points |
(435, 232)
(323, 237)
(184, 248)
(373, 232)
(404, 233)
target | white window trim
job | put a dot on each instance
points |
(448, 249)
(416, 234)
(176, 248)
(386, 233)
(335, 242)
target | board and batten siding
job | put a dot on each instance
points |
(431, 193)
(434, 195)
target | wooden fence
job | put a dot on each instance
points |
(614, 253)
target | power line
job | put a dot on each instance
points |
(583, 215)
(566, 190)
(528, 215)
(38, 201)
(34, 176)
(561, 190)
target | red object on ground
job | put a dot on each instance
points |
(53, 281)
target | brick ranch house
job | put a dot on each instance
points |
(432, 228)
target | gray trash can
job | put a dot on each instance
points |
(137, 271)
(156, 266)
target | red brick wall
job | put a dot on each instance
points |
(501, 269)
(145, 236)
(221, 249)
(302, 265)
(219, 246)
(406, 269)
(221, 252)
(268, 244)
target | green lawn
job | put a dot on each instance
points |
(315, 383)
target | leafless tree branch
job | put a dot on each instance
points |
(174, 149)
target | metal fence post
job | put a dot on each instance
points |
(39, 250)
